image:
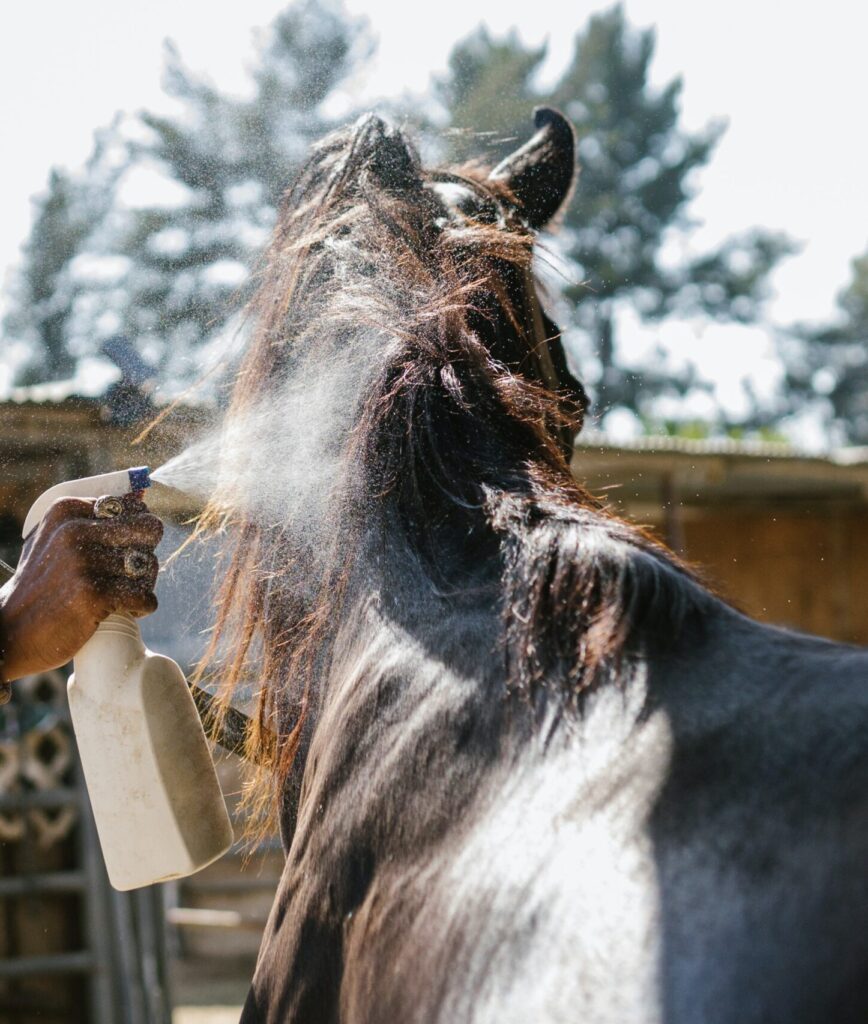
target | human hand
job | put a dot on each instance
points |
(75, 570)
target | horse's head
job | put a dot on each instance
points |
(400, 371)
(368, 238)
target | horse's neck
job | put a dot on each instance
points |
(420, 675)
(416, 713)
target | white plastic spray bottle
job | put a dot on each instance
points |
(154, 792)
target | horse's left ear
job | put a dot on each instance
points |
(386, 153)
(542, 173)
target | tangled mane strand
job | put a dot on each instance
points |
(443, 432)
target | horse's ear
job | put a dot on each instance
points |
(542, 173)
(386, 153)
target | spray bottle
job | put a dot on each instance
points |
(154, 792)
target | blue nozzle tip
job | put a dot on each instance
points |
(140, 478)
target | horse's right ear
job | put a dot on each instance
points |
(542, 173)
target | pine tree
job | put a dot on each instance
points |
(636, 181)
(827, 366)
(45, 289)
(191, 259)
(488, 93)
(170, 271)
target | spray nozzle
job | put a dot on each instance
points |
(140, 478)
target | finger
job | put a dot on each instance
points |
(100, 596)
(139, 530)
(124, 595)
(132, 504)
(62, 513)
(114, 563)
(62, 510)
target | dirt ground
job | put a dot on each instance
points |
(209, 995)
(206, 1014)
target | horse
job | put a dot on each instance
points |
(527, 765)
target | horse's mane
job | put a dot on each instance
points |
(450, 437)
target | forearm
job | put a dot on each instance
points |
(5, 670)
(13, 660)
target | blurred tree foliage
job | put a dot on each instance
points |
(170, 268)
(637, 178)
(232, 157)
(167, 258)
(831, 361)
(47, 290)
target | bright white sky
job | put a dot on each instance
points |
(792, 80)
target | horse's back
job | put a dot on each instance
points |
(761, 835)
